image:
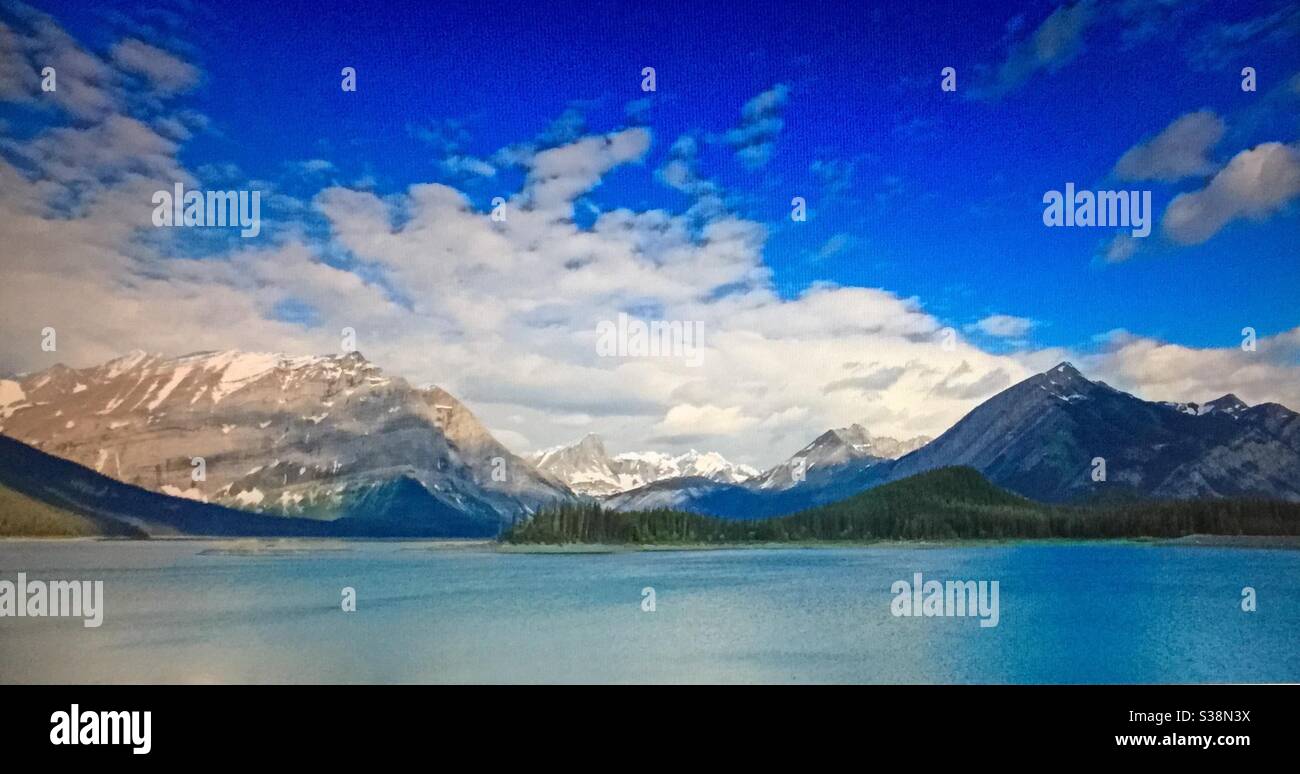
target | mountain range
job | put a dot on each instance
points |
(588, 469)
(332, 445)
(1059, 437)
(816, 474)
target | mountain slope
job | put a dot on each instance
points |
(24, 516)
(105, 506)
(1040, 437)
(284, 436)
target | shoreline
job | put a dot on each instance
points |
(224, 545)
(1285, 542)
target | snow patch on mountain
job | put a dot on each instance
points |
(589, 469)
(344, 426)
(832, 451)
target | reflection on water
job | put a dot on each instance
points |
(187, 611)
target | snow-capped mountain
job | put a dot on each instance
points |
(324, 437)
(830, 452)
(819, 472)
(589, 469)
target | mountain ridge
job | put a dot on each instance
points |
(589, 469)
(298, 436)
(1042, 438)
(331, 437)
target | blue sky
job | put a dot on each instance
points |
(944, 198)
(919, 193)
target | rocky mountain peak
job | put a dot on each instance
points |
(1061, 382)
(1228, 404)
(592, 443)
(834, 451)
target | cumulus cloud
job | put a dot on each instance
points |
(35, 41)
(1255, 184)
(1179, 151)
(166, 73)
(688, 423)
(557, 175)
(1005, 326)
(761, 122)
(505, 314)
(1164, 371)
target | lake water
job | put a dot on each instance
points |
(175, 611)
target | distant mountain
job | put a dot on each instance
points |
(942, 504)
(823, 471)
(316, 437)
(918, 507)
(587, 468)
(1039, 438)
(831, 453)
(330, 445)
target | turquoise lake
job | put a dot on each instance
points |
(192, 611)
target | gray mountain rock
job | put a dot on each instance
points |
(1043, 438)
(832, 454)
(1040, 438)
(296, 436)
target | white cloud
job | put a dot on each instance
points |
(1005, 326)
(558, 175)
(1160, 370)
(1179, 151)
(468, 165)
(504, 314)
(760, 124)
(165, 73)
(84, 82)
(1055, 42)
(1121, 248)
(1255, 184)
(686, 423)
